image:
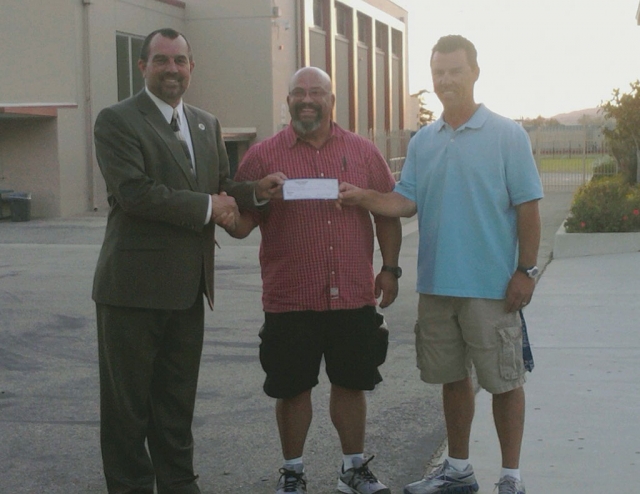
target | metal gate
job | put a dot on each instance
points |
(567, 156)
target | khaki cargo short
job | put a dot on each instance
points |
(454, 333)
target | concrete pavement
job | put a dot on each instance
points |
(581, 433)
(583, 397)
(49, 378)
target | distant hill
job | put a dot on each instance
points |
(572, 118)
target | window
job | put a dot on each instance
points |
(396, 42)
(130, 79)
(381, 36)
(364, 28)
(343, 20)
(318, 13)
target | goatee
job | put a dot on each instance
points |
(303, 127)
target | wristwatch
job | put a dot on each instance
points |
(531, 271)
(396, 271)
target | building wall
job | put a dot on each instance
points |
(29, 162)
(66, 74)
(39, 48)
(390, 7)
(40, 66)
(245, 53)
(285, 59)
(233, 56)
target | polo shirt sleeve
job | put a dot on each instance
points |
(407, 184)
(523, 179)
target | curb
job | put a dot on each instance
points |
(567, 245)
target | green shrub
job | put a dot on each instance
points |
(608, 204)
(605, 168)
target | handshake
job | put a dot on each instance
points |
(225, 211)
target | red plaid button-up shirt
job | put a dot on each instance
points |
(314, 256)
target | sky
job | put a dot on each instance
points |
(536, 57)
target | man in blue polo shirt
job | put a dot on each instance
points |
(472, 179)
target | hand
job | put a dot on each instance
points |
(350, 195)
(387, 286)
(519, 292)
(225, 211)
(228, 221)
(270, 187)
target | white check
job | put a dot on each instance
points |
(310, 188)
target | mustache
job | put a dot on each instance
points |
(171, 76)
(301, 106)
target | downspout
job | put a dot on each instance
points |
(88, 110)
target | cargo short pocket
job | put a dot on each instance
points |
(510, 359)
(421, 357)
(271, 350)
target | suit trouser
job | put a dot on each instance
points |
(149, 363)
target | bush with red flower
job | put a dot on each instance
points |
(608, 204)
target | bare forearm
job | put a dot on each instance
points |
(528, 233)
(388, 204)
(389, 234)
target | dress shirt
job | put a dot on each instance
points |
(167, 112)
(314, 256)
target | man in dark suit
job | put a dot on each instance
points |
(167, 176)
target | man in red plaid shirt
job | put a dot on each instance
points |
(319, 290)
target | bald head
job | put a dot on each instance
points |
(313, 74)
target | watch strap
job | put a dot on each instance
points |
(525, 269)
(395, 270)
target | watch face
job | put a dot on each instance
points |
(531, 272)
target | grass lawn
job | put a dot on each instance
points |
(567, 164)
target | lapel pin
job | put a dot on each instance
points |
(201, 126)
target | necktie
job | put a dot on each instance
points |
(175, 126)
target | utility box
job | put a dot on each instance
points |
(19, 205)
(4, 203)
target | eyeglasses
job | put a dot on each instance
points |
(314, 93)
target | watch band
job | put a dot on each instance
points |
(395, 270)
(531, 271)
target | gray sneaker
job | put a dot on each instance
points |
(445, 479)
(292, 481)
(510, 485)
(360, 480)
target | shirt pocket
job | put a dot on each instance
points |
(356, 175)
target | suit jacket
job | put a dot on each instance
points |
(156, 245)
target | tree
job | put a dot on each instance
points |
(425, 116)
(624, 137)
(540, 121)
